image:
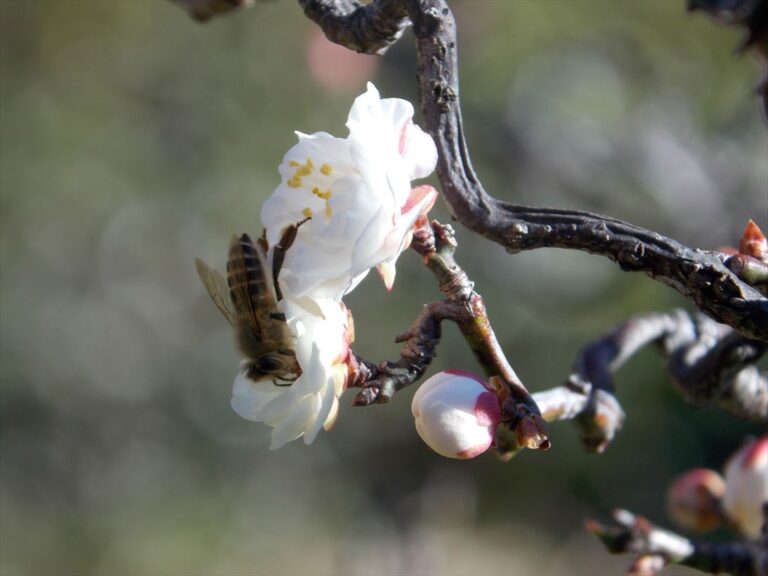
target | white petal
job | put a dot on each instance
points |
(248, 398)
(280, 405)
(293, 425)
(387, 272)
(333, 414)
(328, 397)
(746, 486)
(426, 386)
(420, 153)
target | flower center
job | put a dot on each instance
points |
(306, 171)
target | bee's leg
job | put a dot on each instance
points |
(278, 256)
(283, 383)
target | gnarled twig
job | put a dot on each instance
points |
(436, 244)
(654, 548)
(700, 276)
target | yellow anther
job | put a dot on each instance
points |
(306, 169)
(328, 210)
(293, 164)
(294, 182)
(326, 169)
(307, 212)
(320, 194)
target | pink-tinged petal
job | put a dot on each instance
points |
(369, 113)
(756, 454)
(387, 272)
(473, 452)
(398, 237)
(488, 409)
(421, 197)
(403, 140)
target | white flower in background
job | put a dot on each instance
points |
(746, 486)
(357, 193)
(456, 414)
(323, 333)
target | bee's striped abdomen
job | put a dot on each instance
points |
(247, 279)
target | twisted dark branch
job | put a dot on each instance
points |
(381, 381)
(700, 276)
(368, 28)
(654, 548)
(436, 244)
(710, 363)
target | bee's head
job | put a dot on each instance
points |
(277, 365)
(270, 363)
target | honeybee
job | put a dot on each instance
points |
(261, 331)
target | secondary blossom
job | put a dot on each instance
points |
(356, 194)
(323, 333)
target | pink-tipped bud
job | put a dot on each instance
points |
(746, 486)
(456, 414)
(693, 500)
(753, 242)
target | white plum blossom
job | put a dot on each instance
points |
(356, 208)
(323, 333)
(356, 197)
(746, 486)
(456, 414)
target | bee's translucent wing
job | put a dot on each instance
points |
(217, 288)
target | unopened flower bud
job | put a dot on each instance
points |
(753, 242)
(746, 486)
(456, 414)
(693, 500)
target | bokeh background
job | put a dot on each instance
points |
(134, 139)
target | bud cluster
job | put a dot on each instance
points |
(701, 499)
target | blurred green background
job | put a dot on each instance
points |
(134, 139)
